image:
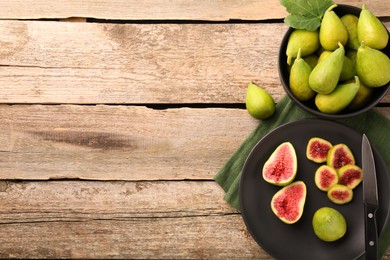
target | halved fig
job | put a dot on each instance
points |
(325, 177)
(340, 194)
(340, 155)
(350, 175)
(317, 149)
(281, 167)
(288, 203)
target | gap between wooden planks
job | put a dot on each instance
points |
(118, 142)
(217, 10)
(94, 63)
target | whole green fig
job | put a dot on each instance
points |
(349, 69)
(362, 97)
(350, 22)
(371, 30)
(325, 76)
(372, 66)
(312, 60)
(338, 99)
(305, 40)
(323, 55)
(332, 30)
(299, 79)
(259, 103)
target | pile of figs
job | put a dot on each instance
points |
(339, 65)
(337, 175)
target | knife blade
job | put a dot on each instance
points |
(370, 200)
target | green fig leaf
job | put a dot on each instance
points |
(305, 14)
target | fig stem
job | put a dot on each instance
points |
(331, 8)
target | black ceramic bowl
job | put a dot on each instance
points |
(309, 105)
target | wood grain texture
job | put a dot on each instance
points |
(132, 220)
(93, 63)
(219, 10)
(136, 182)
(53, 62)
(118, 142)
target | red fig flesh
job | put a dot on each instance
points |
(340, 155)
(350, 175)
(317, 149)
(340, 194)
(281, 167)
(288, 203)
(325, 177)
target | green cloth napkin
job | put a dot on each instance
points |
(372, 123)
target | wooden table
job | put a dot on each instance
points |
(115, 117)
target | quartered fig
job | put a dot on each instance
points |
(288, 203)
(325, 177)
(340, 194)
(340, 155)
(305, 40)
(281, 167)
(325, 76)
(371, 30)
(338, 99)
(350, 175)
(332, 30)
(317, 149)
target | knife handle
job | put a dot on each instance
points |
(371, 231)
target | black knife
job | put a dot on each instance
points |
(370, 200)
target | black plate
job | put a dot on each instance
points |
(298, 241)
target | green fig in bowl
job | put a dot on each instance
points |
(356, 58)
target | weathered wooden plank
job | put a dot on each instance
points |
(206, 237)
(54, 62)
(82, 201)
(133, 220)
(161, 9)
(118, 142)
(87, 219)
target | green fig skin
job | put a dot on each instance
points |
(311, 60)
(352, 55)
(339, 99)
(259, 103)
(299, 79)
(305, 40)
(371, 30)
(323, 55)
(350, 22)
(349, 69)
(324, 77)
(362, 97)
(372, 66)
(332, 30)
